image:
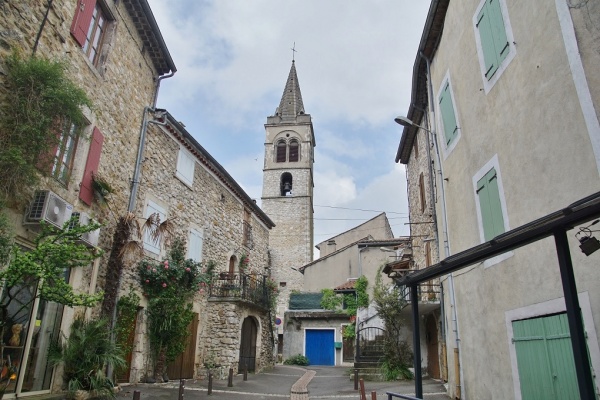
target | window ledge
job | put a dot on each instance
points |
(498, 259)
(184, 180)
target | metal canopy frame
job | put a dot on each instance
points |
(555, 224)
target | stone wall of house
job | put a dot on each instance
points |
(220, 341)
(421, 227)
(119, 88)
(206, 205)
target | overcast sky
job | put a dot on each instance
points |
(354, 62)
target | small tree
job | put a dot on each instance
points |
(54, 251)
(397, 353)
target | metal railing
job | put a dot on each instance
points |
(426, 292)
(245, 287)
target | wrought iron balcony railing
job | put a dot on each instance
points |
(241, 287)
(426, 292)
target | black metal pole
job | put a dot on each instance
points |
(230, 378)
(210, 379)
(414, 301)
(580, 353)
(181, 388)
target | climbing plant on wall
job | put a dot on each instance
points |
(170, 285)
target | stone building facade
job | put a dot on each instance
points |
(287, 195)
(421, 163)
(182, 182)
(120, 73)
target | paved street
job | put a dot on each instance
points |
(284, 382)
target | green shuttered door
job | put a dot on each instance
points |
(545, 358)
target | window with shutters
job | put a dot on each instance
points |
(64, 155)
(489, 205)
(151, 243)
(495, 43)
(449, 124)
(280, 150)
(492, 215)
(294, 150)
(86, 189)
(195, 242)
(185, 166)
(490, 201)
(89, 28)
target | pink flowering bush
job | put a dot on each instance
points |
(172, 274)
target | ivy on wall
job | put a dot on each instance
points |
(41, 101)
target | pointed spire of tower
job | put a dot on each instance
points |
(291, 104)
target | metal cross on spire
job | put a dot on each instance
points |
(294, 51)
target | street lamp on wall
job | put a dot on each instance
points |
(404, 121)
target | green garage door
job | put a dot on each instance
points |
(545, 358)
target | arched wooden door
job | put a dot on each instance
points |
(248, 345)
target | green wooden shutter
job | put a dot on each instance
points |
(495, 205)
(501, 44)
(490, 206)
(487, 42)
(492, 34)
(448, 116)
(545, 358)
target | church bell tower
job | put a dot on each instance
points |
(287, 196)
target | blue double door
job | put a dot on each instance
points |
(319, 346)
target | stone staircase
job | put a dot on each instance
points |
(368, 360)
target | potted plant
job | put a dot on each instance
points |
(85, 355)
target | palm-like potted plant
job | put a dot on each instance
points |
(84, 355)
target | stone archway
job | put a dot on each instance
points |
(248, 344)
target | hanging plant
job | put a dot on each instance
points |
(243, 263)
(102, 189)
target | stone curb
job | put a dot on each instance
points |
(299, 389)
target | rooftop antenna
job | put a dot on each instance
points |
(294, 51)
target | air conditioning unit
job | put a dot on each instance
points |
(89, 238)
(49, 207)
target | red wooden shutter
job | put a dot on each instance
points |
(86, 191)
(82, 20)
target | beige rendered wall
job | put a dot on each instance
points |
(378, 228)
(353, 262)
(533, 122)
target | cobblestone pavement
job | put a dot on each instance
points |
(283, 382)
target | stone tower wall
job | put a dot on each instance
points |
(291, 241)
